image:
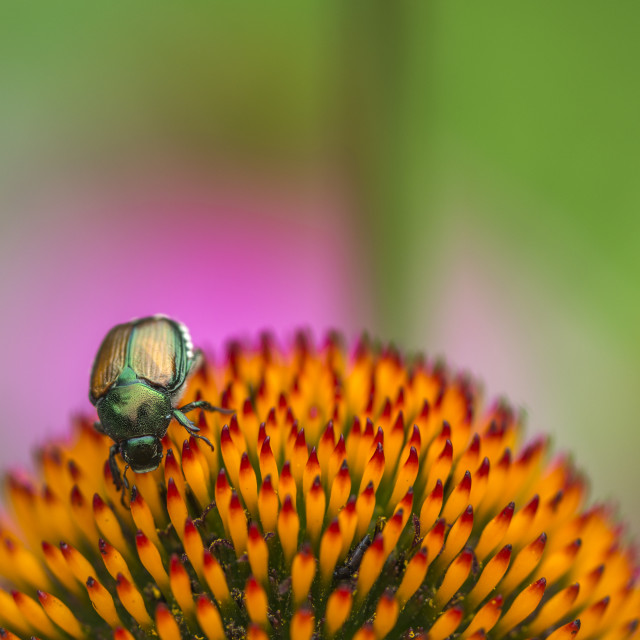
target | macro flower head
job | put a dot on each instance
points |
(353, 494)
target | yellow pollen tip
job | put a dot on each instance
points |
(338, 610)
(103, 602)
(60, 614)
(181, 586)
(256, 602)
(288, 528)
(302, 625)
(166, 624)
(209, 619)
(258, 554)
(133, 601)
(303, 571)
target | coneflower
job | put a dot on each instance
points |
(351, 495)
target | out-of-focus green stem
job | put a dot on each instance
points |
(382, 143)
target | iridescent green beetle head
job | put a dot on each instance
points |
(142, 454)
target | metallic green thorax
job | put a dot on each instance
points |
(131, 409)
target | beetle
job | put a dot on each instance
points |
(137, 379)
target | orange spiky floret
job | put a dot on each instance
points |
(348, 496)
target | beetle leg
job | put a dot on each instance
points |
(189, 426)
(178, 414)
(351, 565)
(125, 486)
(195, 435)
(124, 476)
(205, 406)
(97, 425)
(113, 465)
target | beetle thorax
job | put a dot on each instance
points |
(134, 410)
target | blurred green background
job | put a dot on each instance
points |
(483, 158)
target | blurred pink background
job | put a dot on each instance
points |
(227, 260)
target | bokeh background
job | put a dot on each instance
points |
(460, 178)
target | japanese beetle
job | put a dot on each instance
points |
(138, 377)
